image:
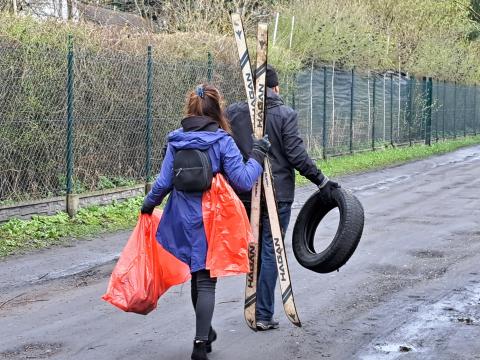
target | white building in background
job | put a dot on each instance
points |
(78, 10)
(60, 9)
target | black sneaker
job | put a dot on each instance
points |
(212, 336)
(263, 325)
(199, 351)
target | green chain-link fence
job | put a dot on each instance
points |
(122, 108)
(73, 120)
(348, 111)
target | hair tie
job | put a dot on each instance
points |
(200, 91)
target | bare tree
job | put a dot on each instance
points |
(8, 5)
(69, 9)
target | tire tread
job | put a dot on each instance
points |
(346, 238)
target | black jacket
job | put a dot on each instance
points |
(287, 153)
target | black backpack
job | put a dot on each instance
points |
(192, 170)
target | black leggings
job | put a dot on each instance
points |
(203, 300)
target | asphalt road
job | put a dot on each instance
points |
(410, 291)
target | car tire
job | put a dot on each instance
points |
(346, 238)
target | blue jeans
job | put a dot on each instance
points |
(267, 279)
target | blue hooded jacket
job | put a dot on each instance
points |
(181, 230)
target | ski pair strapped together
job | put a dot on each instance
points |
(256, 105)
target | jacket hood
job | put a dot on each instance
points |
(200, 140)
(273, 99)
(199, 123)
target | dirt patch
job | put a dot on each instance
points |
(23, 298)
(435, 273)
(404, 348)
(33, 351)
(45, 290)
(465, 320)
(87, 277)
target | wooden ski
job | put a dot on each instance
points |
(256, 103)
(279, 244)
(251, 281)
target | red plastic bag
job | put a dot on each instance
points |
(227, 229)
(145, 270)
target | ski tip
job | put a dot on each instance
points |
(295, 321)
(252, 324)
(293, 317)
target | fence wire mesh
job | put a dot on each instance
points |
(32, 122)
(347, 111)
(123, 107)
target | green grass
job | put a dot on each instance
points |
(372, 160)
(44, 231)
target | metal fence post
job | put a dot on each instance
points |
(373, 112)
(293, 90)
(423, 125)
(391, 109)
(465, 111)
(384, 107)
(71, 200)
(148, 133)
(437, 101)
(324, 140)
(428, 118)
(310, 130)
(455, 110)
(209, 67)
(409, 108)
(475, 109)
(444, 107)
(352, 84)
(413, 107)
(69, 114)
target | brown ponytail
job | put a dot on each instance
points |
(210, 104)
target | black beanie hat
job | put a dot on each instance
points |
(272, 77)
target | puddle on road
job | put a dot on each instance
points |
(393, 348)
(389, 351)
(461, 156)
(427, 254)
(384, 183)
(458, 308)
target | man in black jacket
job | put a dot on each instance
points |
(286, 154)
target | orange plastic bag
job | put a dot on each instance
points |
(227, 229)
(145, 270)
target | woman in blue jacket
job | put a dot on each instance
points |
(181, 230)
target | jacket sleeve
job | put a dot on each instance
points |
(242, 175)
(164, 182)
(295, 150)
